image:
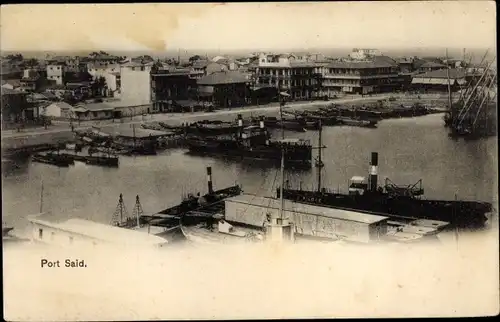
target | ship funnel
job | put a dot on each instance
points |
(240, 120)
(374, 172)
(209, 180)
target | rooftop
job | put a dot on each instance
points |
(104, 232)
(296, 207)
(441, 73)
(102, 106)
(431, 64)
(374, 62)
(223, 77)
(8, 91)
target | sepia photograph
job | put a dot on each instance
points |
(272, 160)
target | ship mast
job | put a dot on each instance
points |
(449, 84)
(282, 167)
(319, 161)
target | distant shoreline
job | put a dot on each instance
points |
(477, 53)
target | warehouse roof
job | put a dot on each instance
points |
(104, 232)
(267, 202)
(223, 77)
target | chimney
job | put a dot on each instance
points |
(209, 180)
(374, 171)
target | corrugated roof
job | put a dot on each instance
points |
(432, 81)
(306, 208)
(97, 106)
(441, 73)
(223, 77)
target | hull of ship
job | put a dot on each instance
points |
(358, 123)
(466, 214)
(231, 149)
(57, 160)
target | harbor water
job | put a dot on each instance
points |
(456, 278)
(409, 149)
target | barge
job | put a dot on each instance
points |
(60, 160)
(253, 143)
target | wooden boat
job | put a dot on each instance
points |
(104, 160)
(59, 160)
(357, 122)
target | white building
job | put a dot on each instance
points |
(79, 232)
(136, 83)
(364, 53)
(55, 72)
(57, 110)
(308, 220)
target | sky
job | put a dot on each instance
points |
(241, 26)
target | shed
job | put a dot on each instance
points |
(83, 232)
(58, 110)
(309, 220)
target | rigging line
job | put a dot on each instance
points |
(484, 99)
(464, 109)
(471, 101)
(468, 90)
(254, 195)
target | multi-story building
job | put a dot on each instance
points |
(354, 76)
(225, 88)
(364, 53)
(169, 85)
(430, 66)
(72, 64)
(55, 72)
(136, 83)
(110, 72)
(300, 78)
(31, 80)
(204, 68)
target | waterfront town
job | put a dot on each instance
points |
(249, 160)
(104, 86)
(101, 108)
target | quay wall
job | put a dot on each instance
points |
(32, 140)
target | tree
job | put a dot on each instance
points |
(99, 86)
(15, 57)
(31, 63)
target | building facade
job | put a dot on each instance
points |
(359, 77)
(225, 89)
(169, 85)
(135, 83)
(299, 78)
(55, 73)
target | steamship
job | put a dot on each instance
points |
(253, 142)
(394, 201)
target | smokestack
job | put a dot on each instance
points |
(240, 120)
(374, 171)
(209, 180)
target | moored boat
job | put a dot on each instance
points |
(56, 159)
